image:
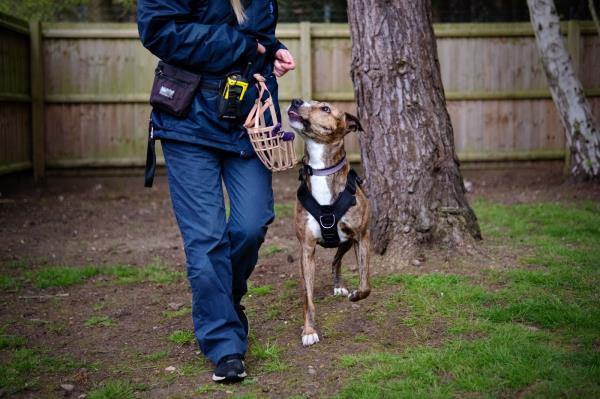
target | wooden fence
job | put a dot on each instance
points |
(97, 78)
(21, 97)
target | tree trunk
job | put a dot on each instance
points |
(583, 136)
(413, 179)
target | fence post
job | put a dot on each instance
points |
(37, 100)
(305, 65)
(305, 61)
(574, 44)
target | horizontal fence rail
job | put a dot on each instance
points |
(97, 78)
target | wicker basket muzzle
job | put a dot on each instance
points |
(274, 147)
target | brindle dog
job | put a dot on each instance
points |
(323, 128)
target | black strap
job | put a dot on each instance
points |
(150, 158)
(328, 216)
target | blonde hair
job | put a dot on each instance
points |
(238, 9)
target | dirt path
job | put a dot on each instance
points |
(110, 221)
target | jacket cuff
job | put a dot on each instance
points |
(280, 46)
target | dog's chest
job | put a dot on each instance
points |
(320, 190)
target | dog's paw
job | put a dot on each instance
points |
(357, 295)
(310, 339)
(340, 291)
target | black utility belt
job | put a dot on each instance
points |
(174, 89)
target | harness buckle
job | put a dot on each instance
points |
(327, 221)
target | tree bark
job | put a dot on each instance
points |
(413, 179)
(583, 137)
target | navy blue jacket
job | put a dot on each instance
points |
(203, 36)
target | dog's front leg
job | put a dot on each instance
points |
(362, 256)
(338, 285)
(309, 333)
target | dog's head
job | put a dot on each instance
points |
(321, 122)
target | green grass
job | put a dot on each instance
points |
(269, 356)
(273, 312)
(182, 337)
(11, 341)
(284, 210)
(208, 388)
(61, 276)
(260, 290)
(171, 314)
(269, 250)
(100, 321)
(20, 367)
(155, 272)
(194, 369)
(66, 276)
(290, 284)
(9, 283)
(509, 359)
(536, 333)
(113, 390)
(361, 338)
(153, 357)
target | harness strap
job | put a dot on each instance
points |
(328, 216)
(150, 157)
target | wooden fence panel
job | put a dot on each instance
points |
(332, 58)
(519, 127)
(98, 78)
(97, 70)
(96, 134)
(291, 83)
(15, 109)
(490, 64)
(590, 62)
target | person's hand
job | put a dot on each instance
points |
(284, 62)
(261, 48)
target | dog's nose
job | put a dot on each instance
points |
(296, 102)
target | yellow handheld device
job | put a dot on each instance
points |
(233, 93)
(235, 85)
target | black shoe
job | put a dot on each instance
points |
(239, 309)
(230, 368)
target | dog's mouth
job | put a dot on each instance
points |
(294, 116)
(297, 122)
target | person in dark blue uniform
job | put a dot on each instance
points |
(215, 38)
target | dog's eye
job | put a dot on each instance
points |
(326, 109)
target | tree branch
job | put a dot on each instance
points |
(594, 15)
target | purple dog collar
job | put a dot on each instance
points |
(325, 171)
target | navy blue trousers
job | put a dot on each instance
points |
(221, 253)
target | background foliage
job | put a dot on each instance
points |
(294, 10)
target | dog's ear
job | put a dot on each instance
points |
(352, 123)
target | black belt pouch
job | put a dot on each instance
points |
(173, 89)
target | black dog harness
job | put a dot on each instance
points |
(328, 216)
